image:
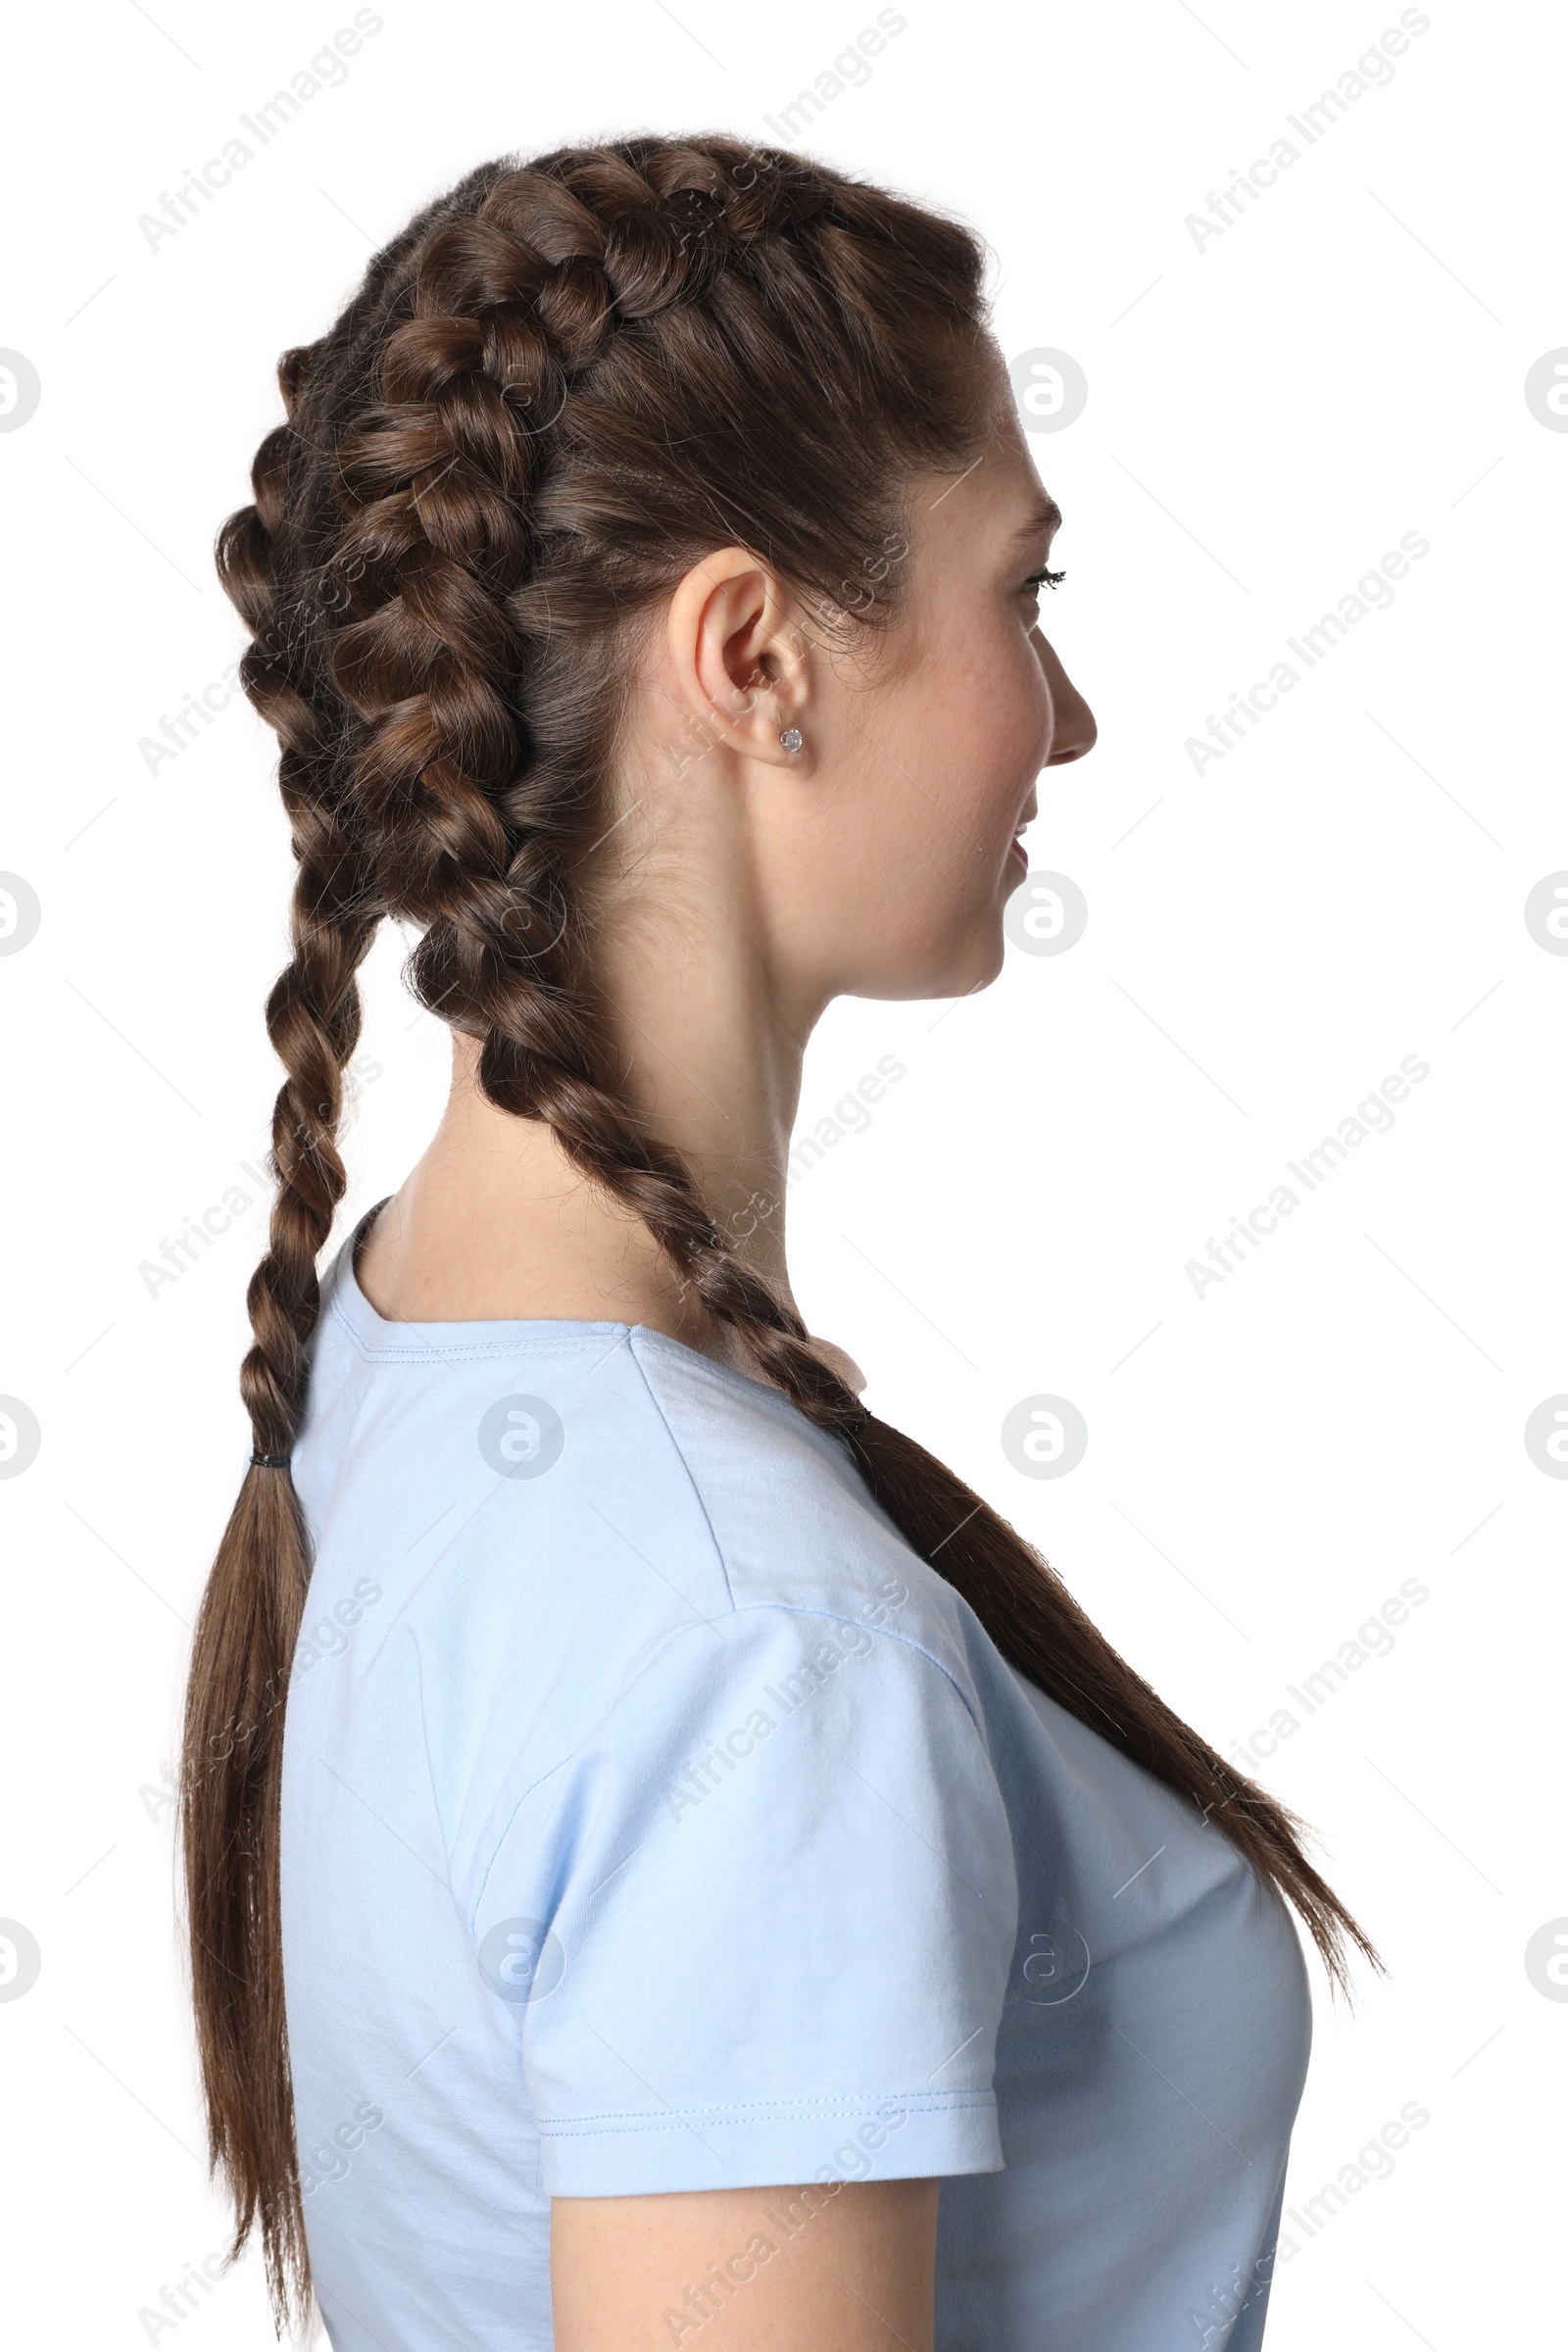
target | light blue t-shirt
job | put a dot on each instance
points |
(653, 1820)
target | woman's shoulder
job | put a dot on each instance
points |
(791, 1518)
(579, 1544)
(589, 1491)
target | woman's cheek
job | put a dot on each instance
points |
(1012, 732)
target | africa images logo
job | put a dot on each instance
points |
(522, 1436)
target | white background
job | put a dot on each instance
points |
(1267, 1463)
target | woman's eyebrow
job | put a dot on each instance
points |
(1043, 518)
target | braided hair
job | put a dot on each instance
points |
(554, 391)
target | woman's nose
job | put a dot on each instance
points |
(1075, 730)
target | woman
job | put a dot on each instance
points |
(702, 1826)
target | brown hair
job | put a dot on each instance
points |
(553, 392)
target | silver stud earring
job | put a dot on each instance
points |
(792, 739)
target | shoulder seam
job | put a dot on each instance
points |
(918, 1649)
(680, 1456)
(790, 1609)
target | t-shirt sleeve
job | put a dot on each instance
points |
(757, 1928)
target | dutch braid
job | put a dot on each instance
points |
(249, 1622)
(560, 386)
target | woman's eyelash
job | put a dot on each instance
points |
(1045, 579)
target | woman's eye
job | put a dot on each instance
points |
(1043, 579)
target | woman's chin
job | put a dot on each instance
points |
(969, 965)
(957, 972)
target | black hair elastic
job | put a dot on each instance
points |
(852, 1429)
(269, 1461)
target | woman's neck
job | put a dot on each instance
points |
(495, 1223)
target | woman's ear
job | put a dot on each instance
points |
(737, 659)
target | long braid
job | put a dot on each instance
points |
(559, 386)
(249, 1621)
